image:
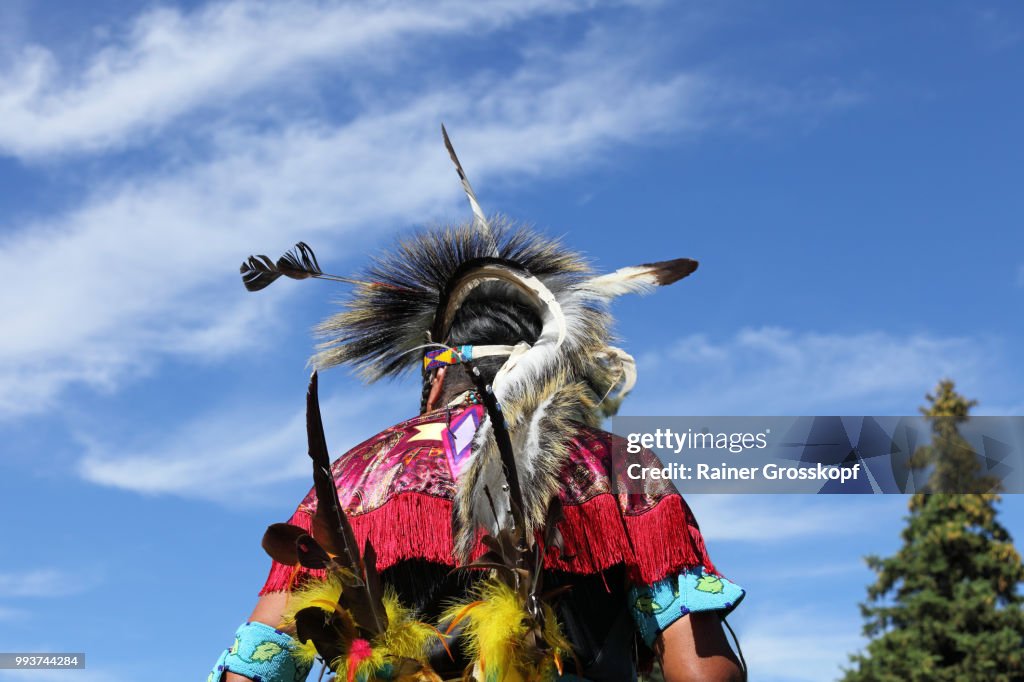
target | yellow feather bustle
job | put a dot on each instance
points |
(406, 637)
(320, 593)
(495, 635)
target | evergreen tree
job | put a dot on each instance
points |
(946, 606)
(951, 463)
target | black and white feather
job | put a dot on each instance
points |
(479, 218)
(259, 272)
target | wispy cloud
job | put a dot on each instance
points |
(770, 370)
(142, 269)
(997, 30)
(234, 457)
(821, 570)
(770, 518)
(166, 62)
(9, 614)
(45, 583)
(800, 645)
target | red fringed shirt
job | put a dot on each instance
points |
(397, 489)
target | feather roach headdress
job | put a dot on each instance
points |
(400, 315)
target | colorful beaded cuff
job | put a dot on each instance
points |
(657, 606)
(262, 654)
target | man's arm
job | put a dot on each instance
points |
(270, 608)
(695, 649)
(268, 611)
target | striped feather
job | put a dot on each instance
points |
(479, 219)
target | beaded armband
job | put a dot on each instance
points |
(262, 654)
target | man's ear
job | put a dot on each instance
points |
(436, 388)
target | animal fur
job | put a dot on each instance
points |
(387, 317)
(541, 429)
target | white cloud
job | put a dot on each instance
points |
(771, 518)
(236, 457)
(144, 268)
(822, 570)
(9, 614)
(141, 268)
(995, 31)
(166, 62)
(45, 583)
(775, 371)
(800, 645)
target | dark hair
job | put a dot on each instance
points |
(493, 322)
(485, 321)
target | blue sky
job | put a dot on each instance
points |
(848, 174)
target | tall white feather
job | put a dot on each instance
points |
(640, 279)
(635, 279)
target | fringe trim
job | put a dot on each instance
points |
(663, 540)
(409, 526)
